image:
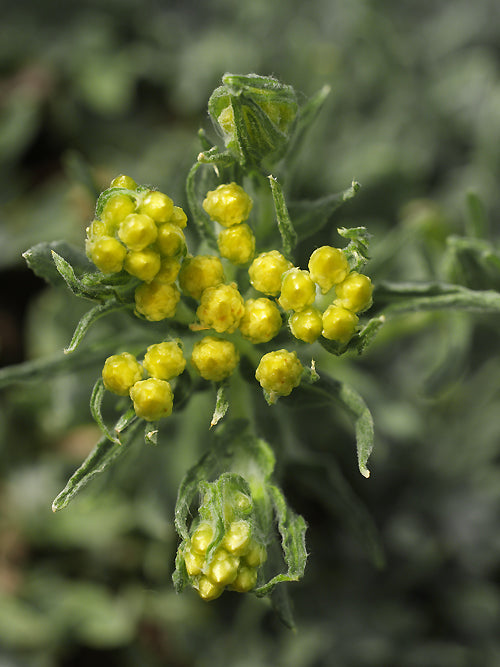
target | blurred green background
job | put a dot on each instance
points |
(414, 116)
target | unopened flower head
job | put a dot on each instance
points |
(121, 372)
(355, 292)
(214, 358)
(152, 398)
(221, 308)
(279, 372)
(200, 272)
(228, 204)
(237, 243)
(328, 266)
(261, 321)
(266, 272)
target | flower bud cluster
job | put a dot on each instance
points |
(152, 397)
(214, 562)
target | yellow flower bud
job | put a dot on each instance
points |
(221, 308)
(200, 272)
(245, 580)
(201, 538)
(355, 292)
(178, 217)
(261, 320)
(256, 555)
(107, 253)
(297, 290)
(328, 266)
(214, 358)
(164, 360)
(194, 563)
(171, 240)
(137, 231)
(169, 270)
(157, 205)
(307, 324)
(237, 538)
(120, 373)
(339, 324)
(228, 204)
(156, 301)
(207, 589)
(237, 243)
(123, 181)
(117, 208)
(266, 272)
(98, 228)
(279, 372)
(152, 398)
(223, 568)
(143, 264)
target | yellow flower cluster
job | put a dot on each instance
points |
(234, 563)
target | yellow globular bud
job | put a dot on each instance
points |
(157, 205)
(152, 398)
(355, 292)
(107, 253)
(137, 231)
(339, 324)
(307, 324)
(214, 358)
(121, 372)
(123, 181)
(98, 228)
(228, 204)
(221, 308)
(117, 208)
(207, 589)
(297, 290)
(266, 272)
(143, 264)
(169, 270)
(237, 538)
(279, 372)
(178, 217)
(194, 563)
(256, 554)
(223, 567)
(261, 320)
(237, 243)
(328, 266)
(200, 272)
(171, 240)
(245, 580)
(156, 301)
(201, 538)
(164, 360)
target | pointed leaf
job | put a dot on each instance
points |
(285, 226)
(221, 406)
(194, 196)
(88, 320)
(40, 261)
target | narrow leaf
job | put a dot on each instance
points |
(94, 293)
(285, 226)
(151, 433)
(40, 261)
(221, 406)
(200, 217)
(88, 320)
(477, 220)
(96, 399)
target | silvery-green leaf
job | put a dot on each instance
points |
(91, 316)
(221, 406)
(40, 260)
(285, 226)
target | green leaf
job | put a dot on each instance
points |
(285, 226)
(76, 285)
(100, 458)
(88, 320)
(477, 220)
(292, 529)
(221, 406)
(310, 217)
(195, 192)
(357, 248)
(40, 260)
(96, 399)
(151, 433)
(308, 113)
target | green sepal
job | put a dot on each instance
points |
(221, 405)
(310, 217)
(285, 226)
(91, 316)
(356, 250)
(40, 260)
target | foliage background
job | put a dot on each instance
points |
(414, 116)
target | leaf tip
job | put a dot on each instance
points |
(365, 472)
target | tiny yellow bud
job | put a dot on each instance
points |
(143, 264)
(98, 228)
(178, 217)
(237, 538)
(200, 272)
(123, 181)
(201, 538)
(307, 324)
(157, 205)
(297, 290)
(156, 301)
(328, 266)
(117, 208)
(245, 580)
(194, 563)
(214, 358)
(237, 243)
(223, 568)
(207, 589)
(228, 204)
(256, 555)
(171, 240)
(261, 320)
(120, 373)
(169, 270)
(164, 360)
(355, 292)
(221, 308)
(137, 231)
(107, 253)
(339, 324)
(279, 372)
(266, 271)
(152, 398)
